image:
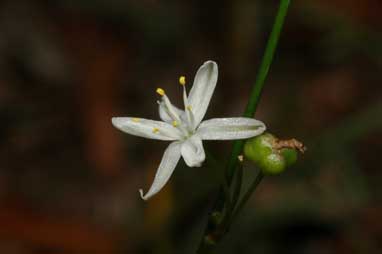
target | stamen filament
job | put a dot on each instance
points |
(173, 114)
(190, 116)
(170, 109)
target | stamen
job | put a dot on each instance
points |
(155, 130)
(160, 91)
(170, 108)
(182, 80)
(136, 120)
(171, 112)
(190, 117)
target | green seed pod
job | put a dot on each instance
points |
(269, 153)
(255, 149)
(273, 164)
(290, 155)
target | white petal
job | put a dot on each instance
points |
(193, 152)
(146, 128)
(230, 128)
(202, 89)
(165, 116)
(170, 158)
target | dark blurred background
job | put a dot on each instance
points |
(69, 181)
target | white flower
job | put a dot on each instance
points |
(185, 127)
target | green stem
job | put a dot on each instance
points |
(247, 195)
(250, 110)
(229, 207)
(259, 83)
(227, 196)
(237, 187)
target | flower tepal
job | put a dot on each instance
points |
(185, 128)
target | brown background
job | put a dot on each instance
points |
(69, 181)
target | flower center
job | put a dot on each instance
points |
(184, 121)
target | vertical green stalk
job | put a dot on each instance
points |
(210, 238)
(259, 83)
(247, 195)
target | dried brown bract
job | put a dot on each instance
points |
(289, 143)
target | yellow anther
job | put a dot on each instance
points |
(155, 130)
(136, 120)
(160, 91)
(174, 123)
(189, 108)
(182, 80)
